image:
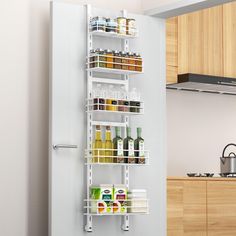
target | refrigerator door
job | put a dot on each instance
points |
(68, 124)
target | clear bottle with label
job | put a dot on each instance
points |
(108, 146)
(118, 146)
(98, 99)
(139, 147)
(97, 145)
(129, 147)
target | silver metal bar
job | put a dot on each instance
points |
(62, 146)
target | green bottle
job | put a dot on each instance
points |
(118, 146)
(139, 147)
(129, 147)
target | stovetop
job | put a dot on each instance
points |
(210, 175)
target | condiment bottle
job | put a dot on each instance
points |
(92, 58)
(131, 27)
(117, 59)
(131, 61)
(138, 62)
(121, 27)
(139, 147)
(124, 61)
(109, 58)
(118, 147)
(101, 62)
(98, 23)
(111, 25)
(129, 147)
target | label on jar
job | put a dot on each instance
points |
(114, 102)
(141, 148)
(119, 148)
(131, 148)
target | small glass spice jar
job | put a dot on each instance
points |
(109, 58)
(131, 61)
(116, 59)
(92, 58)
(124, 61)
(101, 60)
(98, 23)
(131, 27)
(138, 62)
(111, 25)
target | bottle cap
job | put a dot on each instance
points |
(98, 127)
(108, 128)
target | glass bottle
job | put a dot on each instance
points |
(118, 147)
(108, 146)
(139, 147)
(129, 147)
(97, 145)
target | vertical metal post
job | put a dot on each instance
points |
(125, 220)
(88, 226)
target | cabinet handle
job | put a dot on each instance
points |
(62, 146)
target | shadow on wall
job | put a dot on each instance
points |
(38, 118)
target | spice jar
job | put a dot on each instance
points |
(98, 23)
(109, 58)
(117, 60)
(131, 61)
(111, 25)
(101, 59)
(121, 25)
(92, 58)
(138, 62)
(124, 61)
(131, 27)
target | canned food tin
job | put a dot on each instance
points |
(131, 27)
(121, 27)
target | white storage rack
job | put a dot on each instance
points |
(91, 123)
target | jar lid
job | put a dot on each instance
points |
(120, 17)
(108, 51)
(99, 50)
(130, 54)
(129, 19)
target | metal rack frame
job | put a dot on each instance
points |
(91, 122)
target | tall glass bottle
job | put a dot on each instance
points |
(97, 144)
(129, 147)
(139, 147)
(118, 146)
(108, 146)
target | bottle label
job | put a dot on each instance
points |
(141, 148)
(119, 148)
(131, 148)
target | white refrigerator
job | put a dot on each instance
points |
(72, 123)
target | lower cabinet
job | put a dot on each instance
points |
(201, 207)
(186, 208)
(221, 208)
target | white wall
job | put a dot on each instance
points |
(198, 127)
(24, 73)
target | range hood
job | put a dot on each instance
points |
(205, 83)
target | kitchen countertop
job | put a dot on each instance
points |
(201, 178)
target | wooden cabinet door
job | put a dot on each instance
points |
(171, 49)
(229, 39)
(186, 208)
(200, 42)
(221, 208)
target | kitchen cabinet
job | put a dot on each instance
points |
(229, 42)
(186, 208)
(221, 208)
(205, 206)
(205, 42)
(171, 49)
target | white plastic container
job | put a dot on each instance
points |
(138, 202)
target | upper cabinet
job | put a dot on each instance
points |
(205, 42)
(172, 49)
(229, 39)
